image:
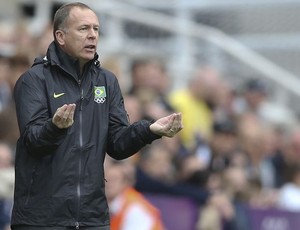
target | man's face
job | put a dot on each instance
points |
(81, 35)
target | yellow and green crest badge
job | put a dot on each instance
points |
(99, 94)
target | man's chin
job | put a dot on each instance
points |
(87, 58)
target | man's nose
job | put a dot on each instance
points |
(93, 33)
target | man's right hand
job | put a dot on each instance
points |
(64, 116)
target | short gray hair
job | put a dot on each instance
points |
(62, 14)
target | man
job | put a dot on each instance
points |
(256, 98)
(197, 101)
(129, 209)
(70, 113)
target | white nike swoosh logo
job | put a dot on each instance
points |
(58, 95)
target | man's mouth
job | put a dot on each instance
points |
(90, 47)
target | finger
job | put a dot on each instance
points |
(177, 125)
(72, 111)
(60, 111)
(173, 126)
(56, 119)
(179, 121)
(69, 121)
(63, 117)
(58, 114)
(67, 112)
(170, 124)
(73, 107)
(176, 122)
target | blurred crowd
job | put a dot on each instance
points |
(238, 148)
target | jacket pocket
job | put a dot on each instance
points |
(30, 185)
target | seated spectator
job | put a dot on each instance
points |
(197, 103)
(287, 156)
(150, 176)
(289, 193)
(150, 84)
(191, 182)
(223, 144)
(133, 108)
(129, 209)
(192, 170)
(5, 90)
(238, 188)
(252, 139)
(256, 99)
(149, 73)
(6, 185)
(9, 131)
(18, 63)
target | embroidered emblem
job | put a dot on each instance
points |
(58, 95)
(99, 94)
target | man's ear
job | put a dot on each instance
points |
(60, 37)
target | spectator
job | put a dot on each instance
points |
(197, 102)
(287, 156)
(238, 188)
(6, 185)
(255, 98)
(289, 193)
(5, 90)
(157, 162)
(18, 65)
(150, 84)
(252, 137)
(9, 131)
(42, 41)
(191, 170)
(223, 143)
(149, 73)
(129, 209)
(133, 108)
(150, 181)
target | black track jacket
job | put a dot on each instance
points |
(59, 172)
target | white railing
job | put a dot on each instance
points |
(195, 30)
(185, 31)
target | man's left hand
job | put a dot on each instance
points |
(167, 126)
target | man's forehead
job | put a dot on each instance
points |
(83, 16)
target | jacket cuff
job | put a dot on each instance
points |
(150, 135)
(55, 131)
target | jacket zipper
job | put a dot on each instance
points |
(79, 163)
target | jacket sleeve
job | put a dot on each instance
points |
(124, 140)
(38, 134)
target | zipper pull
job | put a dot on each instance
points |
(76, 225)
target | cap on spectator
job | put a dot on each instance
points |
(256, 85)
(226, 126)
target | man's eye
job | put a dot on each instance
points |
(83, 28)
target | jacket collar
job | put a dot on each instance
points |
(56, 56)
